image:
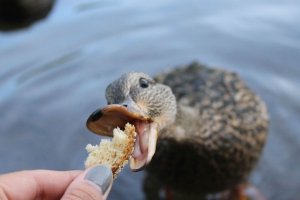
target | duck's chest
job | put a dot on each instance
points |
(189, 168)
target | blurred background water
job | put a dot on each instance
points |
(53, 75)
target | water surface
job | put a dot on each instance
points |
(54, 73)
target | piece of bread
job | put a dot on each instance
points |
(113, 153)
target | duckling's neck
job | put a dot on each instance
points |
(186, 122)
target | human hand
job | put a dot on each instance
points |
(91, 184)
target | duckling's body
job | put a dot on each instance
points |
(206, 126)
(218, 135)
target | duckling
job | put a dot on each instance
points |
(200, 131)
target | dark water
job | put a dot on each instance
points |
(53, 75)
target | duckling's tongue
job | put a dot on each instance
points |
(141, 142)
(145, 144)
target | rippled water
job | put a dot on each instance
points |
(53, 75)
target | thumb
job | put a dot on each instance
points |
(92, 184)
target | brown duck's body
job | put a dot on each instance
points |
(217, 138)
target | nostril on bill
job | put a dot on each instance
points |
(96, 115)
(125, 105)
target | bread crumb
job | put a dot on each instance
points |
(113, 153)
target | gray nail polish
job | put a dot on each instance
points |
(101, 176)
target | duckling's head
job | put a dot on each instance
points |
(136, 98)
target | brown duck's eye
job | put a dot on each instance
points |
(144, 83)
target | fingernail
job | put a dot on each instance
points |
(101, 176)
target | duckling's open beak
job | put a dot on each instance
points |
(103, 121)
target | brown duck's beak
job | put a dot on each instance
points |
(103, 121)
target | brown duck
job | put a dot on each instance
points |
(202, 129)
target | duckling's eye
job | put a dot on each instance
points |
(144, 83)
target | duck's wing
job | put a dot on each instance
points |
(216, 99)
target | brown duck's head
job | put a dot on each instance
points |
(136, 98)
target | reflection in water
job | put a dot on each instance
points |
(16, 14)
(65, 62)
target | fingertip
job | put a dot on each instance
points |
(101, 176)
(93, 183)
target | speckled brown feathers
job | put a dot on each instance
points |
(218, 135)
